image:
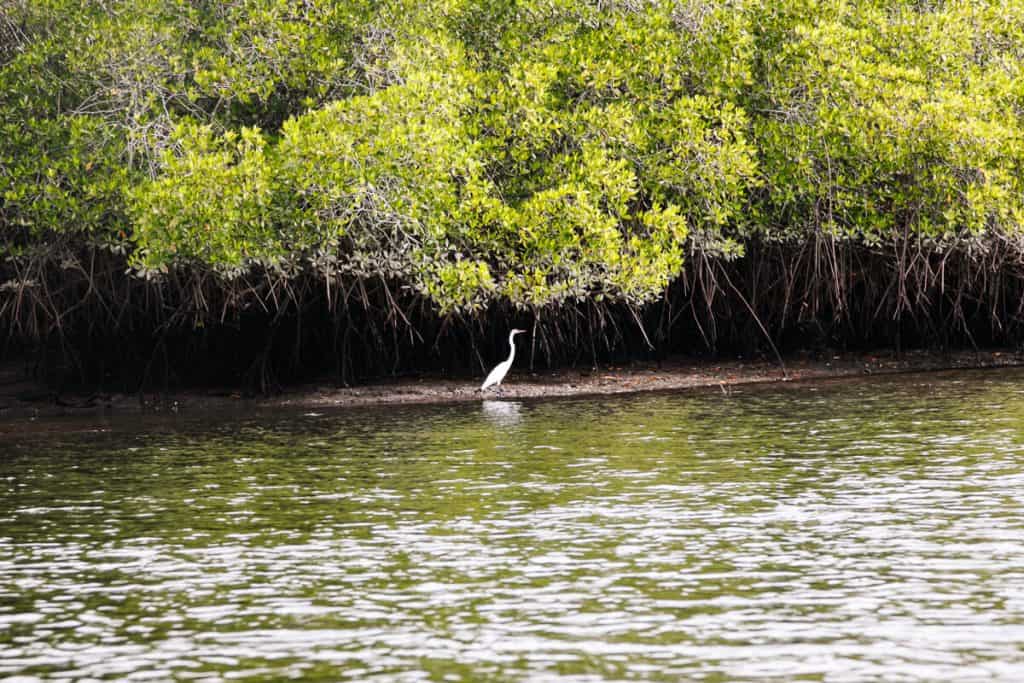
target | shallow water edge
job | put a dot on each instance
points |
(22, 399)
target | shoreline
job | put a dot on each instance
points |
(22, 399)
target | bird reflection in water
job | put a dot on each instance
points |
(502, 413)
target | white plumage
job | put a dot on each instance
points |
(501, 369)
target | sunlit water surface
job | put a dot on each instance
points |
(853, 531)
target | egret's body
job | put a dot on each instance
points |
(502, 368)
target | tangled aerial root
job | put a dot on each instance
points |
(85, 318)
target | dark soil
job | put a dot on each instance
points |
(21, 398)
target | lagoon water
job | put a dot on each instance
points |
(847, 531)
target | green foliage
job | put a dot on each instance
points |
(536, 151)
(885, 120)
(211, 205)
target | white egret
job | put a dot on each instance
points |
(502, 368)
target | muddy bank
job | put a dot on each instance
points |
(22, 399)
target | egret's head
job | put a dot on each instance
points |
(517, 331)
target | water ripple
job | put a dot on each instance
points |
(860, 531)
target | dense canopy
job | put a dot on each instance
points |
(531, 154)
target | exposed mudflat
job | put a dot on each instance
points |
(21, 399)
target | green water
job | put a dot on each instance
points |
(869, 530)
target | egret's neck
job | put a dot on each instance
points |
(512, 344)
